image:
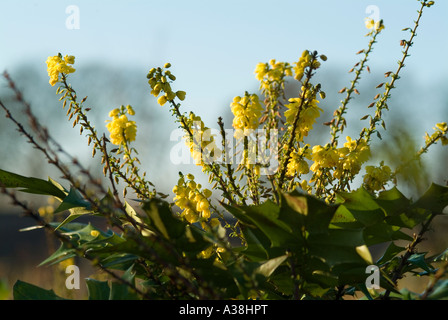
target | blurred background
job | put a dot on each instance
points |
(213, 48)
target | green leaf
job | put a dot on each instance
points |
(441, 257)
(97, 290)
(26, 291)
(122, 291)
(257, 243)
(268, 267)
(73, 200)
(31, 185)
(64, 252)
(418, 260)
(440, 291)
(163, 220)
(266, 218)
(393, 202)
(383, 232)
(338, 246)
(435, 199)
(391, 251)
(363, 207)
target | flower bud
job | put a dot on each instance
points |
(181, 95)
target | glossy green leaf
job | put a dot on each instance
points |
(97, 290)
(26, 291)
(268, 267)
(435, 199)
(31, 185)
(418, 260)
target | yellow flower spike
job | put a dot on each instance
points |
(377, 177)
(57, 65)
(121, 129)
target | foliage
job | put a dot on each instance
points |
(281, 220)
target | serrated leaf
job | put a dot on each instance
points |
(73, 200)
(435, 199)
(418, 260)
(30, 185)
(363, 207)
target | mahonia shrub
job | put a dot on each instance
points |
(281, 219)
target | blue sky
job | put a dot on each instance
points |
(219, 41)
(214, 46)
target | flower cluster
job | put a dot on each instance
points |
(374, 25)
(58, 64)
(272, 73)
(440, 132)
(121, 129)
(202, 144)
(324, 157)
(192, 199)
(309, 112)
(352, 156)
(297, 164)
(247, 112)
(376, 177)
(306, 60)
(159, 80)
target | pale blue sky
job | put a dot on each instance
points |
(219, 41)
(214, 47)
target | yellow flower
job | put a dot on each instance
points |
(121, 129)
(307, 117)
(57, 65)
(162, 100)
(130, 110)
(442, 126)
(246, 110)
(377, 177)
(372, 24)
(191, 199)
(272, 73)
(304, 61)
(324, 157)
(114, 113)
